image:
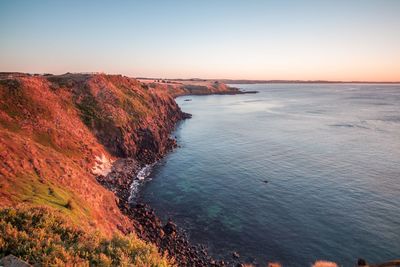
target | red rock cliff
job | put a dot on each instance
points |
(57, 132)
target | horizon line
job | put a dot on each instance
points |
(225, 80)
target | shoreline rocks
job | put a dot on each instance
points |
(168, 237)
(139, 143)
(147, 225)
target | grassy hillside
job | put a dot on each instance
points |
(57, 134)
(47, 155)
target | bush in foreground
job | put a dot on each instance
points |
(42, 236)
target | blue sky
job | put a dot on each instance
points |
(333, 40)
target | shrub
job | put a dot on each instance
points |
(42, 236)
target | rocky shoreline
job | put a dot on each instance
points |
(147, 225)
(76, 140)
(168, 237)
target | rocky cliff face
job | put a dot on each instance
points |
(127, 117)
(75, 141)
(57, 133)
(192, 87)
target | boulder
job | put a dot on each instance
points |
(12, 261)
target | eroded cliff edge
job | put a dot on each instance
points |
(60, 136)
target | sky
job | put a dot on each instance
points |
(245, 39)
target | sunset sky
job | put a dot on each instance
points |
(307, 40)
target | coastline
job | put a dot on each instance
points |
(124, 180)
(168, 236)
(73, 142)
(81, 143)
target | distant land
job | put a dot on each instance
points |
(244, 81)
(200, 81)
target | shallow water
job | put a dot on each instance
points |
(330, 154)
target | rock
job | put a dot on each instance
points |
(12, 261)
(235, 255)
(186, 115)
(361, 262)
(161, 233)
(170, 228)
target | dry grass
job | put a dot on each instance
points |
(43, 236)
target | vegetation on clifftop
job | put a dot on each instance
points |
(43, 236)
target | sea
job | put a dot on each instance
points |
(293, 174)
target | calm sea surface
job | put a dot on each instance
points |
(330, 154)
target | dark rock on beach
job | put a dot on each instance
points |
(186, 115)
(235, 255)
(168, 237)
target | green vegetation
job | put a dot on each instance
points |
(30, 188)
(89, 110)
(133, 103)
(134, 109)
(42, 236)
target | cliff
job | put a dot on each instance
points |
(58, 132)
(193, 87)
(66, 141)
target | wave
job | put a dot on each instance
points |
(349, 125)
(138, 180)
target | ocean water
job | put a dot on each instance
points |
(330, 154)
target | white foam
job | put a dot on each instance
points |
(144, 172)
(138, 180)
